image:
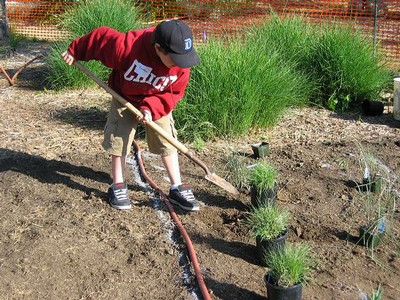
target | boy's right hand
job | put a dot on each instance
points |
(68, 58)
(146, 118)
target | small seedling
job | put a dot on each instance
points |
(237, 171)
(377, 295)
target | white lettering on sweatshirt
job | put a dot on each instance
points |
(141, 73)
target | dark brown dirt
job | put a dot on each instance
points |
(60, 239)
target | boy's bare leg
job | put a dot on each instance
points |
(117, 167)
(171, 164)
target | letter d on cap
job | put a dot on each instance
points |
(188, 44)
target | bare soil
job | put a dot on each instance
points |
(60, 239)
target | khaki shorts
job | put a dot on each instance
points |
(120, 130)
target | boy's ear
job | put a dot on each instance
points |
(158, 47)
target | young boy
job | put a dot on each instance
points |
(150, 69)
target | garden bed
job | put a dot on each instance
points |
(61, 240)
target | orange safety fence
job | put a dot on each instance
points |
(379, 19)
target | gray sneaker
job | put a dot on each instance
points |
(118, 196)
(184, 197)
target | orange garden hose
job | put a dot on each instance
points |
(181, 228)
(11, 80)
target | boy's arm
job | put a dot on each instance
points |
(100, 44)
(163, 103)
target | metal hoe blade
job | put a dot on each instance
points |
(214, 178)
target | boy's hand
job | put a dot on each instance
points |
(68, 58)
(146, 116)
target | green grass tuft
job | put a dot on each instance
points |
(237, 90)
(122, 15)
(293, 265)
(237, 172)
(268, 221)
(263, 176)
(378, 294)
(345, 67)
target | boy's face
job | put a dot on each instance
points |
(165, 58)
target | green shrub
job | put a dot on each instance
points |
(61, 75)
(122, 15)
(292, 36)
(293, 265)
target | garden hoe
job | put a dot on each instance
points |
(174, 142)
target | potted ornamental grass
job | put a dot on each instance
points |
(288, 270)
(375, 209)
(378, 204)
(262, 181)
(376, 198)
(268, 225)
(371, 182)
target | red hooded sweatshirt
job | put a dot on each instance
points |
(137, 74)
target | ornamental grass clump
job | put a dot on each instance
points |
(293, 36)
(237, 90)
(341, 64)
(376, 202)
(80, 19)
(263, 176)
(291, 266)
(268, 221)
(379, 199)
(346, 67)
(236, 171)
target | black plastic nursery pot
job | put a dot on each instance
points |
(370, 238)
(260, 150)
(372, 108)
(267, 196)
(267, 246)
(372, 185)
(276, 292)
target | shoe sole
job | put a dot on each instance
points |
(121, 207)
(184, 207)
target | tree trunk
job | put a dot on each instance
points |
(4, 31)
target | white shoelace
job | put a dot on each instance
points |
(188, 195)
(121, 194)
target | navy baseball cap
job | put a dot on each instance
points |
(176, 38)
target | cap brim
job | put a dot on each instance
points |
(186, 60)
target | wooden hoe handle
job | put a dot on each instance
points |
(174, 142)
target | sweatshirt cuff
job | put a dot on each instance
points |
(146, 107)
